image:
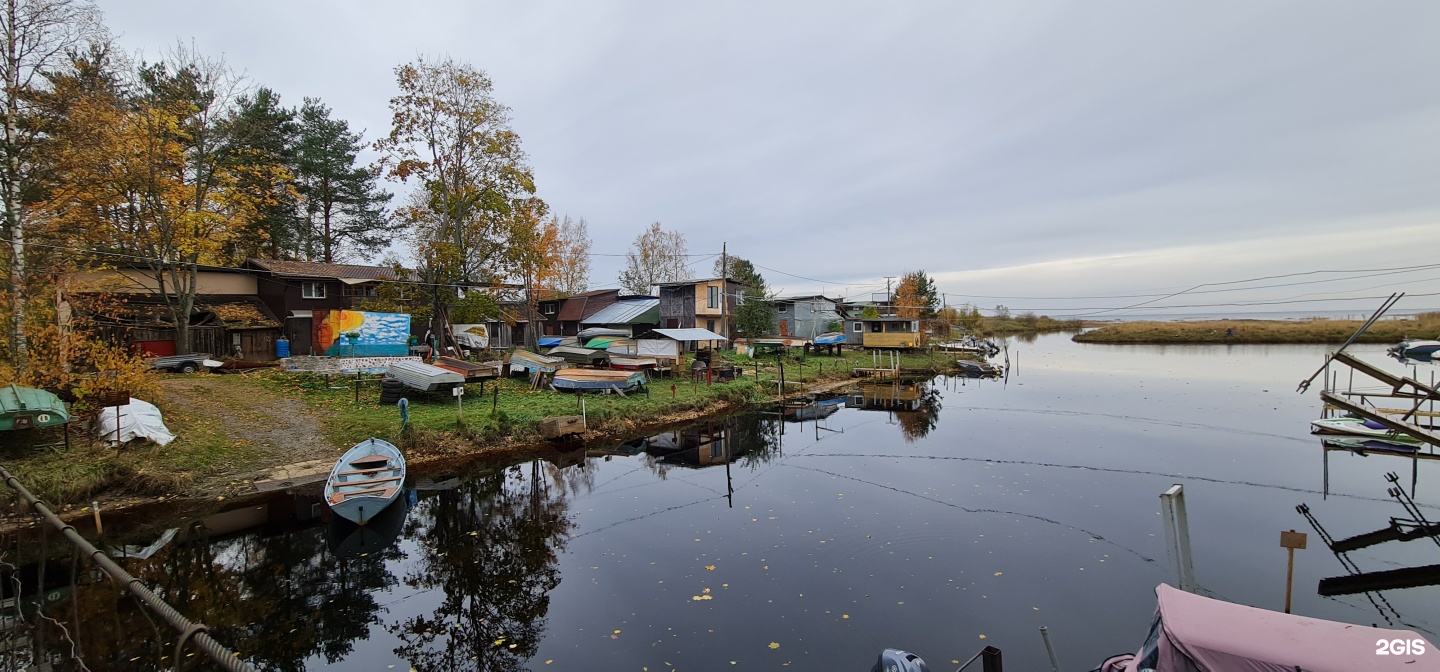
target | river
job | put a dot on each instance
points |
(955, 515)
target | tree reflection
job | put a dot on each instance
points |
(490, 548)
(278, 600)
(924, 414)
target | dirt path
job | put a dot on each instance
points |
(282, 429)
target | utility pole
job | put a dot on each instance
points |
(724, 289)
(889, 298)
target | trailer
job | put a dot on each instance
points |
(181, 363)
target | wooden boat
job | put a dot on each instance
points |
(578, 355)
(365, 480)
(424, 377)
(597, 379)
(1361, 427)
(529, 362)
(626, 363)
(473, 373)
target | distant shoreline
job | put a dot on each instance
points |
(1247, 330)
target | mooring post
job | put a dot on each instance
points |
(1290, 541)
(1045, 635)
(99, 529)
(990, 660)
(1177, 536)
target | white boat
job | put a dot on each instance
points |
(365, 480)
(1361, 427)
(1410, 348)
(426, 378)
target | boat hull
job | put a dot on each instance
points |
(365, 480)
(1357, 427)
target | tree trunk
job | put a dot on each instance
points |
(14, 217)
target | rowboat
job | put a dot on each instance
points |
(423, 377)
(1361, 427)
(597, 379)
(30, 408)
(365, 480)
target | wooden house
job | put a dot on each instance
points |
(884, 332)
(563, 317)
(698, 304)
(294, 290)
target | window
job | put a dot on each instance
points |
(312, 290)
(548, 309)
(710, 324)
(714, 296)
(357, 290)
(857, 327)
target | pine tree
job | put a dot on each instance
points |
(344, 210)
(261, 154)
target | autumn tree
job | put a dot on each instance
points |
(572, 262)
(536, 241)
(453, 138)
(755, 310)
(344, 208)
(36, 37)
(916, 296)
(656, 256)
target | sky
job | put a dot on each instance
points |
(1032, 154)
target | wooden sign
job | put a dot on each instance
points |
(1292, 539)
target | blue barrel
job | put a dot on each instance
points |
(282, 348)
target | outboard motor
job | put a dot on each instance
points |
(895, 660)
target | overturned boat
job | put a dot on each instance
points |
(581, 380)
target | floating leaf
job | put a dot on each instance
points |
(500, 641)
(845, 616)
(982, 636)
(617, 632)
(774, 645)
(999, 573)
(710, 567)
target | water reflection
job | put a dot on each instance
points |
(915, 405)
(487, 548)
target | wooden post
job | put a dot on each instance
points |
(990, 660)
(99, 529)
(1290, 541)
(495, 398)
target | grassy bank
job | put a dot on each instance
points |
(231, 428)
(1425, 325)
(1025, 324)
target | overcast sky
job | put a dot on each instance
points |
(1031, 149)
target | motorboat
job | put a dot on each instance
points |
(365, 480)
(1410, 348)
(1361, 427)
(974, 369)
(1194, 633)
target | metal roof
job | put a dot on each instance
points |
(690, 334)
(627, 311)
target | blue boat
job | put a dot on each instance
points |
(365, 480)
(597, 379)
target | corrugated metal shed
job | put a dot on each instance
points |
(627, 311)
(690, 334)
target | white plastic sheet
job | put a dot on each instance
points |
(138, 420)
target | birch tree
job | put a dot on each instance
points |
(656, 256)
(572, 263)
(35, 36)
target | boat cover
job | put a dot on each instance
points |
(830, 338)
(1200, 634)
(138, 420)
(549, 341)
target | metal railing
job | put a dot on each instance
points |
(188, 629)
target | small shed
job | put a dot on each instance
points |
(885, 332)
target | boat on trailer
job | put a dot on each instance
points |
(365, 480)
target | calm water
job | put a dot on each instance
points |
(970, 516)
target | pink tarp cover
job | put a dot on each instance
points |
(1222, 636)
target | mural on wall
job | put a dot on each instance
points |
(473, 336)
(378, 334)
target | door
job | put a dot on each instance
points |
(297, 330)
(672, 323)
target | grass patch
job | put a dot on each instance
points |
(1425, 325)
